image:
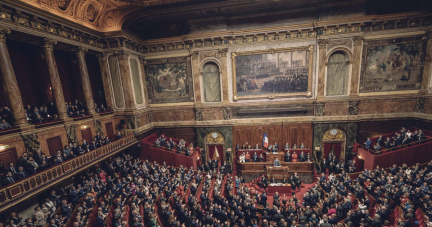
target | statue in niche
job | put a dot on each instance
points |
(91, 13)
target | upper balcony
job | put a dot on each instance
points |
(30, 186)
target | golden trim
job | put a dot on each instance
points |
(307, 94)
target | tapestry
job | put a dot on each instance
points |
(272, 73)
(392, 65)
(169, 80)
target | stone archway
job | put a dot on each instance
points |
(215, 146)
(334, 140)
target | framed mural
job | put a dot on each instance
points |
(169, 80)
(273, 73)
(392, 64)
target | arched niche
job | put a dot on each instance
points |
(210, 73)
(338, 72)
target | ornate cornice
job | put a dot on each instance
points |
(3, 33)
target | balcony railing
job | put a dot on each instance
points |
(30, 186)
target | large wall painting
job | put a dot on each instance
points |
(169, 80)
(274, 73)
(392, 65)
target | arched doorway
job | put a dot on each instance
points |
(334, 141)
(215, 145)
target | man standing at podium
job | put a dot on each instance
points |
(276, 163)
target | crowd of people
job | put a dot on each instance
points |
(403, 137)
(31, 163)
(132, 192)
(170, 144)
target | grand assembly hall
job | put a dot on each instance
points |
(215, 113)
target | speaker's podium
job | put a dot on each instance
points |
(272, 156)
(278, 172)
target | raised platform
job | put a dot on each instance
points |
(304, 169)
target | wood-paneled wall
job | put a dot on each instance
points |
(283, 133)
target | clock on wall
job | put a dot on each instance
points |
(333, 131)
(214, 135)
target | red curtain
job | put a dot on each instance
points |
(336, 148)
(220, 152)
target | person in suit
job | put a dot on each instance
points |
(380, 140)
(261, 158)
(276, 163)
(387, 143)
(406, 140)
(302, 146)
(286, 147)
(276, 146)
(287, 156)
(368, 143)
(421, 135)
(257, 147)
(263, 199)
(324, 165)
(377, 148)
(21, 174)
(255, 157)
(302, 157)
(12, 169)
(8, 179)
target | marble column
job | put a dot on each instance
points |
(106, 80)
(224, 74)
(10, 82)
(321, 68)
(85, 80)
(196, 74)
(48, 47)
(123, 58)
(143, 64)
(356, 61)
(426, 86)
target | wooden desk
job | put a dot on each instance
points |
(271, 157)
(277, 172)
(304, 169)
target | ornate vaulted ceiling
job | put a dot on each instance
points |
(150, 19)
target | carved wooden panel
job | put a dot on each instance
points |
(286, 133)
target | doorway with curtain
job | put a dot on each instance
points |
(334, 148)
(215, 145)
(334, 141)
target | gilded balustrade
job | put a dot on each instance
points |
(30, 186)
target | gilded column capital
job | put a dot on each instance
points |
(48, 44)
(233, 55)
(102, 56)
(195, 55)
(3, 33)
(122, 54)
(80, 51)
(223, 52)
(323, 43)
(142, 60)
(357, 40)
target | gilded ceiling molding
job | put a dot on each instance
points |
(3, 33)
